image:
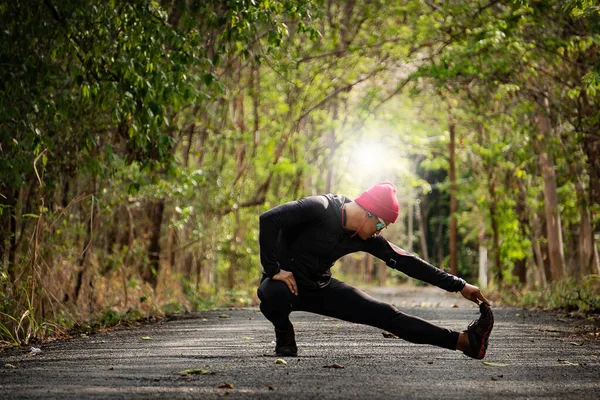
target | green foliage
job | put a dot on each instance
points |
(175, 123)
(569, 295)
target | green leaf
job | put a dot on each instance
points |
(30, 215)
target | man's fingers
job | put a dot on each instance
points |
(478, 296)
(292, 286)
(482, 298)
(473, 293)
(287, 278)
(291, 283)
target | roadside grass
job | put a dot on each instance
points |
(22, 325)
(26, 328)
(567, 295)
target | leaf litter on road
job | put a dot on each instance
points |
(225, 386)
(493, 364)
(334, 366)
(195, 371)
(567, 362)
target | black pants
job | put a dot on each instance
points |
(342, 301)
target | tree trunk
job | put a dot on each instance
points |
(553, 223)
(483, 273)
(541, 275)
(150, 272)
(587, 257)
(423, 231)
(409, 240)
(190, 140)
(82, 261)
(382, 273)
(233, 254)
(332, 149)
(453, 205)
(8, 235)
(200, 270)
(255, 95)
(172, 243)
(523, 212)
(591, 146)
(495, 228)
(368, 260)
(440, 247)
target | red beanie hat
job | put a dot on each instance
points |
(380, 200)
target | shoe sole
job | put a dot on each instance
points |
(287, 354)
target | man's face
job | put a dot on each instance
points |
(372, 226)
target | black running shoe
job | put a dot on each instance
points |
(479, 333)
(285, 342)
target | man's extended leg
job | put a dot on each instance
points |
(340, 300)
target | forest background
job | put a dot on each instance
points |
(140, 140)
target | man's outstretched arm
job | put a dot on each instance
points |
(415, 267)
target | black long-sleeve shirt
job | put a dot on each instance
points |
(306, 237)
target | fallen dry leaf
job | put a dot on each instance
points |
(226, 386)
(389, 335)
(336, 366)
(280, 361)
(195, 371)
(567, 362)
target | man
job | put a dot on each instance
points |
(301, 240)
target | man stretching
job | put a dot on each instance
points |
(301, 240)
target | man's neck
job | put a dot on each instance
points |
(354, 216)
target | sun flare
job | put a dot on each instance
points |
(369, 158)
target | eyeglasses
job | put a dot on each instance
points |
(380, 223)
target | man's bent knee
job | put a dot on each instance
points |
(273, 290)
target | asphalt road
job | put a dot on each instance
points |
(532, 354)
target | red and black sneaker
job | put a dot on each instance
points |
(479, 333)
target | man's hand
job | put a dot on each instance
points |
(471, 292)
(288, 278)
